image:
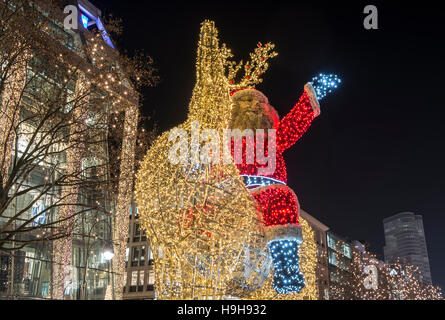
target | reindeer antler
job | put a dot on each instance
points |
(253, 69)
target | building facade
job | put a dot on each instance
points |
(405, 239)
(322, 272)
(140, 275)
(339, 253)
(30, 270)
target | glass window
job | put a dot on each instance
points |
(331, 242)
(134, 278)
(142, 258)
(144, 236)
(127, 254)
(134, 281)
(332, 258)
(137, 233)
(138, 256)
(141, 281)
(31, 273)
(150, 255)
(135, 257)
(4, 270)
(151, 277)
(347, 250)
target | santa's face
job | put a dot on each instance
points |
(251, 110)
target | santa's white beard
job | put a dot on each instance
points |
(253, 117)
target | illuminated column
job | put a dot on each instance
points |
(62, 248)
(125, 195)
(9, 114)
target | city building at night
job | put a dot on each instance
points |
(28, 271)
(139, 161)
(322, 271)
(339, 252)
(405, 239)
(139, 262)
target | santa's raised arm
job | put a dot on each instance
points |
(294, 125)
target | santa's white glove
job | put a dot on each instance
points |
(324, 84)
(319, 88)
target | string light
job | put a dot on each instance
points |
(287, 275)
(288, 131)
(253, 182)
(188, 219)
(279, 205)
(393, 281)
(8, 103)
(308, 266)
(62, 248)
(119, 98)
(201, 219)
(325, 84)
(189, 264)
(280, 208)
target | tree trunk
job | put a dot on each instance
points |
(62, 248)
(125, 195)
(10, 111)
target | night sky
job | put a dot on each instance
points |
(376, 150)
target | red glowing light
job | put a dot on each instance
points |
(279, 204)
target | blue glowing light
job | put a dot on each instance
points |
(324, 84)
(393, 272)
(287, 275)
(253, 182)
(85, 20)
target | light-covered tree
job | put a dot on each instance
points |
(371, 279)
(69, 125)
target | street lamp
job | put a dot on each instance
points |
(108, 252)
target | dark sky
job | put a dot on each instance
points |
(377, 149)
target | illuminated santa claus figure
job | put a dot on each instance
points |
(277, 203)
